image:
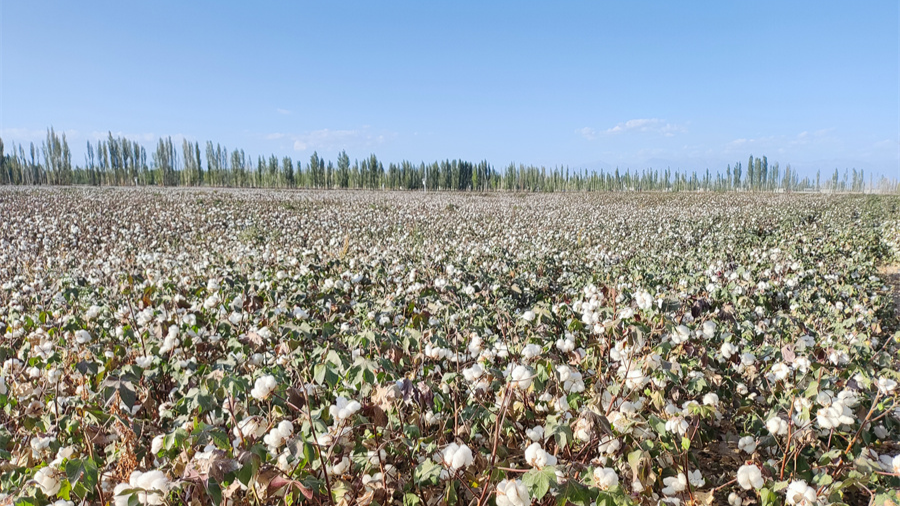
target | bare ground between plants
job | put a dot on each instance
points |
(891, 275)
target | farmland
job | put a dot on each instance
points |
(176, 346)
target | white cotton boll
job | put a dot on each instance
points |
(169, 343)
(144, 362)
(455, 457)
(343, 409)
(340, 468)
(152, 488)
(750, 477)
(734, 499)
(48, 479)
(263, 387)
(92, 313)
(609, 446)
(605, 478)
(531, 351)
(211, 302)
(709, 329)
(565, 345)
(512, 493)
(537, 457)
(278, 435)
(848, 398)
(626, 313)
(895, 464)
(521, 377)
(696, 478)
(834, 416)
(535, 434)
(528, 316)
(681, 334)
(711, 399)
(777, 426)
(728, 349)
(473, 373)
(886, 385)
(779, 372)
(674, 484)
(677, 425)
(747, 444)
(800, 494)
(157, 444)
(644, 300)
(82, 336)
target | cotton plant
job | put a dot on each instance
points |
(581, 357)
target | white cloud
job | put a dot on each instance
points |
(283, 111)
(640, 125)
(588, 133)
(329, 140)
(144, 137)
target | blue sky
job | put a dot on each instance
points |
(594, 84)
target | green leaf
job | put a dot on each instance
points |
(889, 498)
(427, 473)
(575, 493)
(767, 497)
(215, 491)
(450, 496)
(539, 481)
(411, 500)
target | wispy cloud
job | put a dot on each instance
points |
(283, 111)
(21, 135)
(328, 139)
(783, 143)
(641, 125)
(140, 137)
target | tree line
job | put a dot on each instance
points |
(118, 161)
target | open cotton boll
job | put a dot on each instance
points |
(343, 409)
(886, 385)
(644, 300)
(512, 493)
(750, 477)
(834, 416)
(521, 377)
(674, 484)
(473, 373)
(528, 316)
(151, 488)
(455, 457)
(709, 329)
(531, 351)
(777, 426)
(565, 345)
(48, 479)
(800, 494)
(537, 457)
(263, 387)
(747, 444)
(276, 437)
(605, 478)
(157, 444)
(82, 336)
(535, 434)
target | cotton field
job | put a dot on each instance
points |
(355, 348)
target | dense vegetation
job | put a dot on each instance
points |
(117, 161)
(175, 346)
